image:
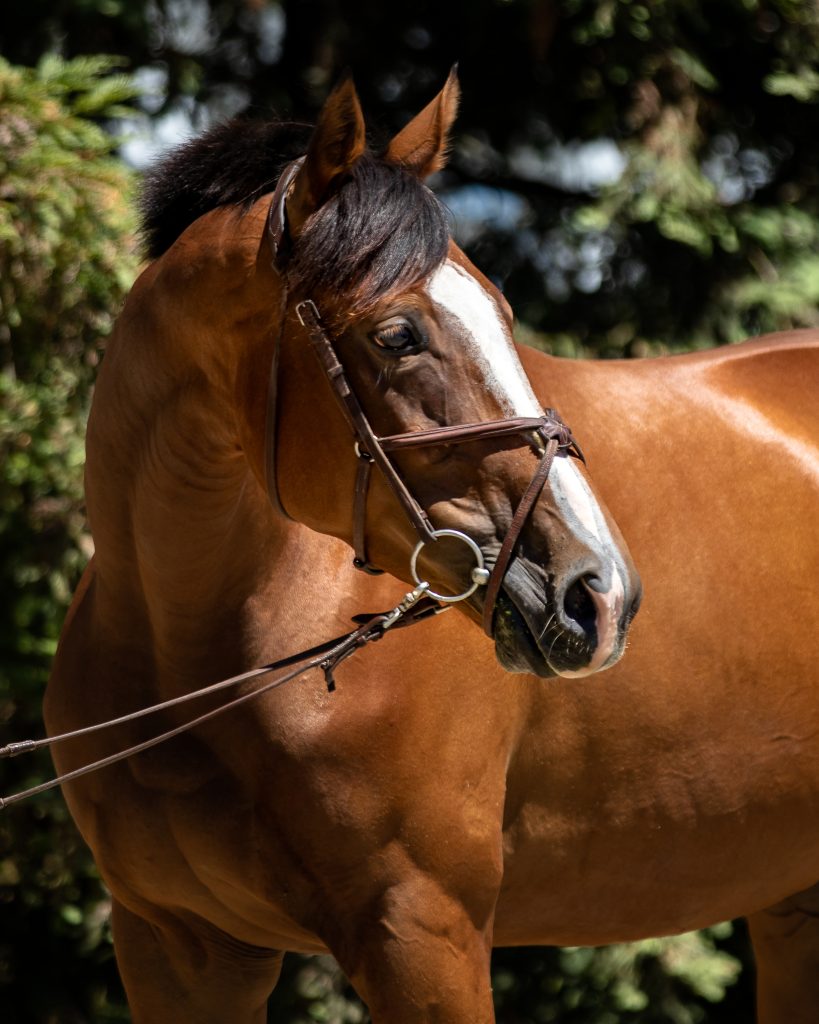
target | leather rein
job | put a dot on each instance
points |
(546, 434)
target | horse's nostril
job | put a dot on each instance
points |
(579, 606)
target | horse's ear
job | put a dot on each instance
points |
(337, 143)
(422, 145)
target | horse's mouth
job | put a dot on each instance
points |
(515, 646)
(517, 649)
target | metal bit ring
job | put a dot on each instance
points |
(479, 574)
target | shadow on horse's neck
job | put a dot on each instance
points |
(183, 529)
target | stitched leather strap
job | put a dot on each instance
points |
(327, 656)
(279, 241)
(277, 234)
(373, 450)
(527, 502)
(362, 488)
(359, 424)
(549, 425)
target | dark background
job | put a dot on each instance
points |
(639, 178)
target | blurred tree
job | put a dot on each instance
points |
(640, 177)
(680, 980)
(66, 258)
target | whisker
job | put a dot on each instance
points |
(546, 628)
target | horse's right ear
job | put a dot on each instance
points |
(336, 144)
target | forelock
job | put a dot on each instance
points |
(381, 232)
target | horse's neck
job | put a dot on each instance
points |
(182, 526)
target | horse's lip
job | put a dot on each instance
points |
(515, 645)
(518, 650)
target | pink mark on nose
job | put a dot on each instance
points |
(608, 609)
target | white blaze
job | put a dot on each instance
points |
(462, 297)
(465, 300)
(568, 483)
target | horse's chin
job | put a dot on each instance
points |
(517, 650)
(515, 646)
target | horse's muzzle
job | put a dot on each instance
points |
(573, 626)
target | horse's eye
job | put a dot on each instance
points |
(397, 336)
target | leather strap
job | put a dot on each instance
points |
(548, 426)
(373, 450)
(277, 233)
(308, 314)
(362, 488)
(527, 502)
(414, 608)
(279, 241)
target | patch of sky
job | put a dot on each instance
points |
(270, 23)
(572, 262)
(478, 208)
(184, 26)
(737, 172)
(144, 139)
(572, 166)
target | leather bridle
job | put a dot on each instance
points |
(546, 434)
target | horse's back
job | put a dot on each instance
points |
(773, 382)
(691, 766)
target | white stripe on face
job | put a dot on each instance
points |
(463, 298)
(466, 301)
(579, 508)
(568, 485)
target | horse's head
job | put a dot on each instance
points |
(424, 341)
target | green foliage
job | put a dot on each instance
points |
(66, 243)
(65, 220)
(676, 980)
(710, 228)
(704, 229)
(314, 990)
(659, 981)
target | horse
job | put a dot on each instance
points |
(438, 802)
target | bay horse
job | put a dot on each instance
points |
(438, 802)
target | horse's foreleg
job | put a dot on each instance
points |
(786, 948)
(175, 972)
(420, 957)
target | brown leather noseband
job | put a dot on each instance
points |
(546, 434)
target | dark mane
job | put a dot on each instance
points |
(232, 164)
(380, 231)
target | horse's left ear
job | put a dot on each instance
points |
(422, 145)
(337, 143)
